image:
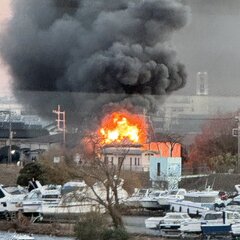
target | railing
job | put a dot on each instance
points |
(196, 170)
(136, 168)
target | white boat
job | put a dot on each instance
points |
(170, 220)
(234, 204)
(195, 203)
(10, 199)
(83, 200)
(169, 224)
(164, 201)
(48, 194)
(71, 205)
(151, 201)
(235, 230)
(134, 200)
(73, 186)
(17, 236)
(209, 222)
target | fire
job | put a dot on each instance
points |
(123, 127)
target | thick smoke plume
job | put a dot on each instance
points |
(89, 54)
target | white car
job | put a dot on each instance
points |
(170, 220)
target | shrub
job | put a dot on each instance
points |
(90, 226)
(31, 170)
(115, 234)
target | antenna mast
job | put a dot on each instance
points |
(61, 122)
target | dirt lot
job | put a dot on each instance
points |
(8, 174)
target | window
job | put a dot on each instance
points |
(158, 169)
(135, 161)
(2, 195)
(112, 159)
(130, 161)
(106, 159)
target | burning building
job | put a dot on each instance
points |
(136, 157)
(125, 140)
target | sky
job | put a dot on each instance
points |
(5, 14)
(209, 43)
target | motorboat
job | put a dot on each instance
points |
(169, 224)
(134, 200)
(10, 200)
(170, 220)
(17, 236)
(234, 204)
(196, 202)
(211, 222)
(235, 230)
(48, 194)
(177, 194)
(150, 202)
(70, 205)
(73, 186)
(99, 190)
(83, 200)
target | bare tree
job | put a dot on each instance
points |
(215, 139)
(170, 139)
(101, 174)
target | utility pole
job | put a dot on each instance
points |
(238, 157)
(10, 138)
(61, 122)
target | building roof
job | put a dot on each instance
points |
(23, 133)
(71, 139)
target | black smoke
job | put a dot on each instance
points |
(89, 54)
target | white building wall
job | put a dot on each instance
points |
(139, 162)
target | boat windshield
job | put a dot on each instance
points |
(173, 192)
(33, 195)
(157, 194)
(233, 215)
(233, 203)
(214, 216)
(12, 190)
(142, 192)
(200, 199)
(173, 216)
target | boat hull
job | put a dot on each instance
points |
(151, 205)
(216, 229)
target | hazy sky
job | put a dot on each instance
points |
(210, 43)
(5, 14)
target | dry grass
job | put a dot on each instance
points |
(8, 174)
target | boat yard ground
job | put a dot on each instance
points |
(63, 229)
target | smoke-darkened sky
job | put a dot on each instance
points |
(99, 47)
(209, 43)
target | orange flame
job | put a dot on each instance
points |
(123, 127)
